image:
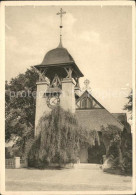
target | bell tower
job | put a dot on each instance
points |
(58, 80)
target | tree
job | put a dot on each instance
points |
(20, 112)
(118, 149)
(129, 105)
(59, 140)
(111, 136)
(20, 108)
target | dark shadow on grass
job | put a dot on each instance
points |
(117, 172)
(49, 168)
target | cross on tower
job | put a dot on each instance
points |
(61, 26)
(61, 14)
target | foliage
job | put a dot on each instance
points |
(111, 136)
(59, 140)
(8, 152)
(126, 147)
(112, 140)
(11, 152)
(126, 165)
(119, 151)
(20, 108)
(129, 105)
(127, 140)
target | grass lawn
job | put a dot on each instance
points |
(85, 177)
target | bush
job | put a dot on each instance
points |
(126, 165)
(118, 151)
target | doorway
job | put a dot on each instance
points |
(95, 153)
(84, 155)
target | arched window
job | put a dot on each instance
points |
(86, 103)
(83, 103)
(89, 103)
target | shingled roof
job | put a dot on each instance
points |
(95, 118)
(122, 117)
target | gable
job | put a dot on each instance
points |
(96, 116)
(87, 101)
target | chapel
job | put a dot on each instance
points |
(59, 85)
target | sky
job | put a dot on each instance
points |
(99, 38)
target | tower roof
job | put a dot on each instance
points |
(59, 58)
(59, 55)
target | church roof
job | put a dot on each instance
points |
(95, 118)
(122, 117)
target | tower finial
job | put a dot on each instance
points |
(61, 26)
(87, 87)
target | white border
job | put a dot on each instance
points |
(2, 96)
(2, 100)
(48, 3)
(134, 95)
